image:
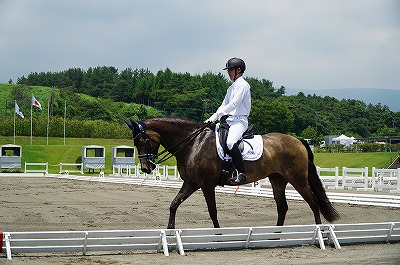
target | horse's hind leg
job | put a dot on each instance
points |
(307, 194)
(186, 190)
(278, 184)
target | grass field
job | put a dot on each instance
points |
(56, 152)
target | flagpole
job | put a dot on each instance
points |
(65, 117)
(48, 121)
(15, 103)
(31, 118)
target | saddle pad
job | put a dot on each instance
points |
(252, 151)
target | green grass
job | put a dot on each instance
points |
(56, 152)
(353, 160)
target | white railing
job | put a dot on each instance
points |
(340, 197)
(349, 234)
(329, 180)
(161, 172)
(66, 168)
(386, 179)
(355, 178)
(182, 240)
(125, 170)
(358, 178)
(38, 168)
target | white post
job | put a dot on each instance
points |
(7, 238)
(366, 178)
(336, 178)
(373, 179)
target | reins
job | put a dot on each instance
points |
(167, 153)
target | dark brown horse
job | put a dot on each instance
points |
(285, 159)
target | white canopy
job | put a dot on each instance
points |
(343, 139)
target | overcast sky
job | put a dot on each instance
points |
(310, 44)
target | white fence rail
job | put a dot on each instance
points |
(66, 168)
(340, 197)
(161, 172)
(328, 180)
(125, 170)
(350, 178)
(183, 240)
(358, 178)
(386, 179)
(37, 168)
(365, 233)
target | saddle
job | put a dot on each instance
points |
(227, 161)
(223, 135)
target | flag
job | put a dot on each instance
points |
(36, 103)
(17, 111)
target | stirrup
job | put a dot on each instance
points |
(238, 178)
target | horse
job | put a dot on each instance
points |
(285, 159)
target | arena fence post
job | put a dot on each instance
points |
(179, 242)
(333, 238)
(248, 237)
(8, 245)
(163, 243)
(85, 243)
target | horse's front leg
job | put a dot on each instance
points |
(209, 195)
(186, 190)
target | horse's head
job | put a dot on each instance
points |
(147, 144)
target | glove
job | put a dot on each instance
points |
(212, 119)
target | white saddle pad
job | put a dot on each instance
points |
(252, 151)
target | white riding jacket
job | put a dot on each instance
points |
(237, 105)
(237, 101)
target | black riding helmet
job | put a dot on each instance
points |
(235, 63)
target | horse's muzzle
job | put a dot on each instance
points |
(147, 166)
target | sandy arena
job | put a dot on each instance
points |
(46, 204)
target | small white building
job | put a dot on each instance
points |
(93, 157)
(10, 156)
(123, 156)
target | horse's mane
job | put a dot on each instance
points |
(178, 121)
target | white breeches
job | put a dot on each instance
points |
(238, 125)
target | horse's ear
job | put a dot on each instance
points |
(129, 124)
(133, 126)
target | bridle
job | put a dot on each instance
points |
(167, 153)
(142, 135)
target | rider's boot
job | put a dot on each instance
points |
(237, 158)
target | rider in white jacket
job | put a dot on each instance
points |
(237, 105)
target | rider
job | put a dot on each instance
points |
(236, 105)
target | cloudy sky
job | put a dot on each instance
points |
(313, 44)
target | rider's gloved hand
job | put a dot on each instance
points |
(212, 119)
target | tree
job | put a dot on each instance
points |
(270, 117)
(309, 133)
(386, 131)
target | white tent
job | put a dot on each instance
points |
(343, 139)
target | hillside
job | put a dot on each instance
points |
(79, 106)
(388, 97)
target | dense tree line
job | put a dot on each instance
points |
(198, 96)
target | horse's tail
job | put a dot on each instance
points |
(317, 188)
